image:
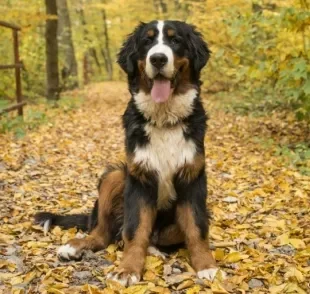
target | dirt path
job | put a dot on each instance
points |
(260, 207)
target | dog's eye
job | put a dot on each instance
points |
(175, 41)
(147, 41)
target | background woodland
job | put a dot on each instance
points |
(261, 49)
(256, 90)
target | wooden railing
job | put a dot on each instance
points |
(17, 66)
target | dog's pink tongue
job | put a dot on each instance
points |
(160, 91)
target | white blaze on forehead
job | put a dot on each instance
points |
(160, 47)
(160, 27)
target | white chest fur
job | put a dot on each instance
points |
(165, 153)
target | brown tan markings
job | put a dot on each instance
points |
(171, 32)
(139, 171)
(144, 80)
(150, 33)
(190, 171)
(110, 207)
(168, 236)
(135, 250)
(201, 256)
(182, 68)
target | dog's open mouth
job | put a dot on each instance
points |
(161, 89)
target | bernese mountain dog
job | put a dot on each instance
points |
(158, 197)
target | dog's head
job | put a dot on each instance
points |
(163, 57)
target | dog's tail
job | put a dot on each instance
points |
(87, 222)
(84, 222)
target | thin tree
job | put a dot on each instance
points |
(90, 52)
(69, 71)
(106, 51)
(52, 77)
(160, 6)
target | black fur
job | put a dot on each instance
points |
(128, 55)
(93, 217)
(137, 195)
(128, 58)
(188, 43)
(198, 50)
(133, 123)
(196, 125)
(191, 45)
(66, 221)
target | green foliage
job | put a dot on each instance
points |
(4, 103)
(261, 48)
(298, 155)
(38, 114)
(267, 57)
(68, 103)
(19, 125)
(30, 16)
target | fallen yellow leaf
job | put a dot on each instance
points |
(185, 284)
(153, 262)
(138, 289)
(193, 290)
(294, 273)
(233, 257)
(277, 289)
(219, 254)
(297, 243)
(217, 288)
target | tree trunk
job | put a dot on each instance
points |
(177, 5)
(70, 69)
(94, 55)
(106, 53)
(86, 69)
(90, 52)
(160, 6)
(52, 81)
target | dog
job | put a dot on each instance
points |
(158, 197)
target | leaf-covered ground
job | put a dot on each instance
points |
(260, 230)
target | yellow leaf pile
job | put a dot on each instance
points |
(260, 229)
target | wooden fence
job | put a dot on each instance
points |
(17, 66)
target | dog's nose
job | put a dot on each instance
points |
(158, 60)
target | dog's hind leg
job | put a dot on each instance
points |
(109, 217)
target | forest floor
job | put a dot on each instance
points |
(260, 229)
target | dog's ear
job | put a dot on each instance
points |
(198, 48)
(127, 58)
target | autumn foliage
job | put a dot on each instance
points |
(256, 89)
(260, 48)
(259, 204)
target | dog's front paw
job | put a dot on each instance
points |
(69, 252)
(125, 277)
